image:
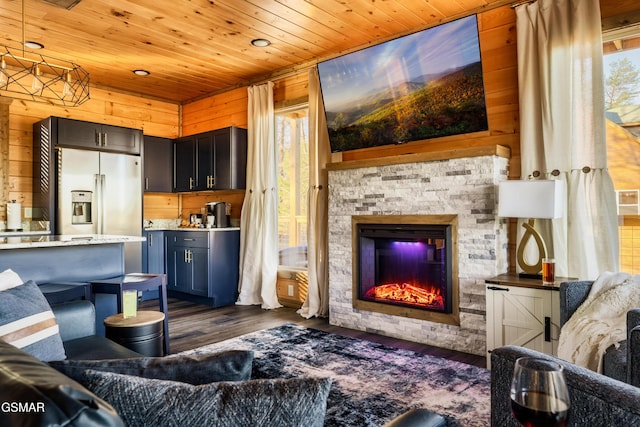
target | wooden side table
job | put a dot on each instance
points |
(142, 333)
(140, 282)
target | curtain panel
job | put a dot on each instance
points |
(317, 301)
(562, 128)
(259, 218)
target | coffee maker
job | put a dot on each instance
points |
(217, 214)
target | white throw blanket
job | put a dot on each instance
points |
(600, 321)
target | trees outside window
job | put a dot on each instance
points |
(622, 103)
(292, 137)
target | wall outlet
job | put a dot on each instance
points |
(290, 290)
(28, 212)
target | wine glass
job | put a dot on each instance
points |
(539, 394)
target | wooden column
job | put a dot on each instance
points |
(4, 155)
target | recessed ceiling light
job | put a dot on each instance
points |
(260, 42)
(141, 72)
(33, 45)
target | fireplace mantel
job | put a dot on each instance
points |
(490, 150)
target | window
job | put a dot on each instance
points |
(622, 105)
(292, 138)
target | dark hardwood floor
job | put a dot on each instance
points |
(193, 325)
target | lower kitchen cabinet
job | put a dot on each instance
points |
(153, 258)
(203, 265)
(522, 312)
(153, 252)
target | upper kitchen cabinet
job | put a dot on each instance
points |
(213, 160)
(230, 165)
(184, 171)
(158, 164)
(96, 136)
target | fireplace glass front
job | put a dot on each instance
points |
(405, 265)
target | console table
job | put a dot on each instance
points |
(523, 312)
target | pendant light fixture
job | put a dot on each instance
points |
(40, 78)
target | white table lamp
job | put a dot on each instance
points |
(532, 199)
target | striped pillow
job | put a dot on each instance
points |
(27, 322)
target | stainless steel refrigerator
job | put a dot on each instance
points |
(101, 193)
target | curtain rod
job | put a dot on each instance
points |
(521, 2)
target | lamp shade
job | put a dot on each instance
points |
(531, 199)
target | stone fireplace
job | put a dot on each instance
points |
(457, 187)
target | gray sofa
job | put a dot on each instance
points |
(77, 323)
(47, 396)
(59, 392)
(622, 363)
(596, 400)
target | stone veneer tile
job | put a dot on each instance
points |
(465, 187)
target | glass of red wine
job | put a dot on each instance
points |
(539, 394)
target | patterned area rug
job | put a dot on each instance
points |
(372, 383)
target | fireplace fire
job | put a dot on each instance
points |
(405, 293)
(405, 269)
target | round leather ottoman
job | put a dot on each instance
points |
(142, 333)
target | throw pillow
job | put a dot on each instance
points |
(275, 403)
(9, 279)
(199, 369)
(27, 322)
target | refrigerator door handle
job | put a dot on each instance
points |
(96, 200)
(100, 200)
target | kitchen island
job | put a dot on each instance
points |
(60, 259)
(76, 258)
(28, 240)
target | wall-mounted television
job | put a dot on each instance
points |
(424, 85)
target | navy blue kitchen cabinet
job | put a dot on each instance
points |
(97, 136)
(153, 252)
(214, 160)
(153, 257)
(158, 164)
(202, 266)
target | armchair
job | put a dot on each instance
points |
(596, 400)
(622, 363)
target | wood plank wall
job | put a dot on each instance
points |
(226, 109)
(498, 46)
(497, 31)
(156, 118)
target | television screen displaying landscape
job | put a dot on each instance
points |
(425, 85)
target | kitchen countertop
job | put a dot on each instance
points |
(24, 233)
(192, 229)
(40, 241)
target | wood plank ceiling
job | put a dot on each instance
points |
(195, 48)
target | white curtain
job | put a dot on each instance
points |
(562, 128)
(317, 301)
(259, 219)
